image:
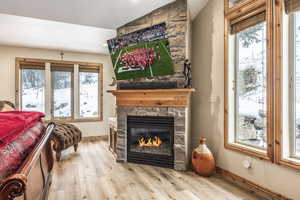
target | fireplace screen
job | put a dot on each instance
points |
(150, 140)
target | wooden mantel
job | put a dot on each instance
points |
(153, 98)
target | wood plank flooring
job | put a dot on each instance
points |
(92, 174)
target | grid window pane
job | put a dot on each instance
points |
(33, 90)
(89, 95)
(297, 85)
(62, 94)
(250, 83)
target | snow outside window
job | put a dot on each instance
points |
(89, 94)
(33, 90)
(250, 85)
(63, 91)
(62, 94)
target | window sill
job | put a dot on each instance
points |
(262, 154)
(290, 162)
(75, 120)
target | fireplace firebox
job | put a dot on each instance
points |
(150, 140)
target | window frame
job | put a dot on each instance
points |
(48, 107)
(266, 6)
(236, 99)
(280, 158)
(292, 88)
(35, 66)
(100, 87)
(72, 95)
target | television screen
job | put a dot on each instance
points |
(144, 53)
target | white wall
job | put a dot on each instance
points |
(208, 105)
(7, 79)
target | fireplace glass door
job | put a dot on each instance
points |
(150, 140)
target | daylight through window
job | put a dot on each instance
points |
(250, 86)
(89, 102)
(62, 94)
(296, 135)
(33, 90)
(247, 84)
(291, 87)
(262, 79)
(64, 91)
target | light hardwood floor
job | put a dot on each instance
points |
(92, 174)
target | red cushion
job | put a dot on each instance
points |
(14, 123)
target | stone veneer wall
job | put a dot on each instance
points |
(177, 20)
(176, 17)
(181, 133)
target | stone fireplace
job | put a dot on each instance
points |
(157, 103)
(146, 116)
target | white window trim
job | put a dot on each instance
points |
(292, 92)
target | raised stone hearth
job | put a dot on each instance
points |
(128, 104)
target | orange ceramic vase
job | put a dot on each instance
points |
(202, 159)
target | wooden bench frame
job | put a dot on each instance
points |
(33, 179)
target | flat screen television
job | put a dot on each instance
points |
(144, 53)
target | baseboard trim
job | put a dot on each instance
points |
(250, 186)
(95, 138)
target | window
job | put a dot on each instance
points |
(262, 79)
(33, 89)
(296, 87)
(248, 81)
(288, 88)
(250, 87)
(62, 91)
(68, 91)
(89, 98)
(294, 84)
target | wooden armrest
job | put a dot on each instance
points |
(12, 187)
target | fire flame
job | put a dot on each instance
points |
(156, 142)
